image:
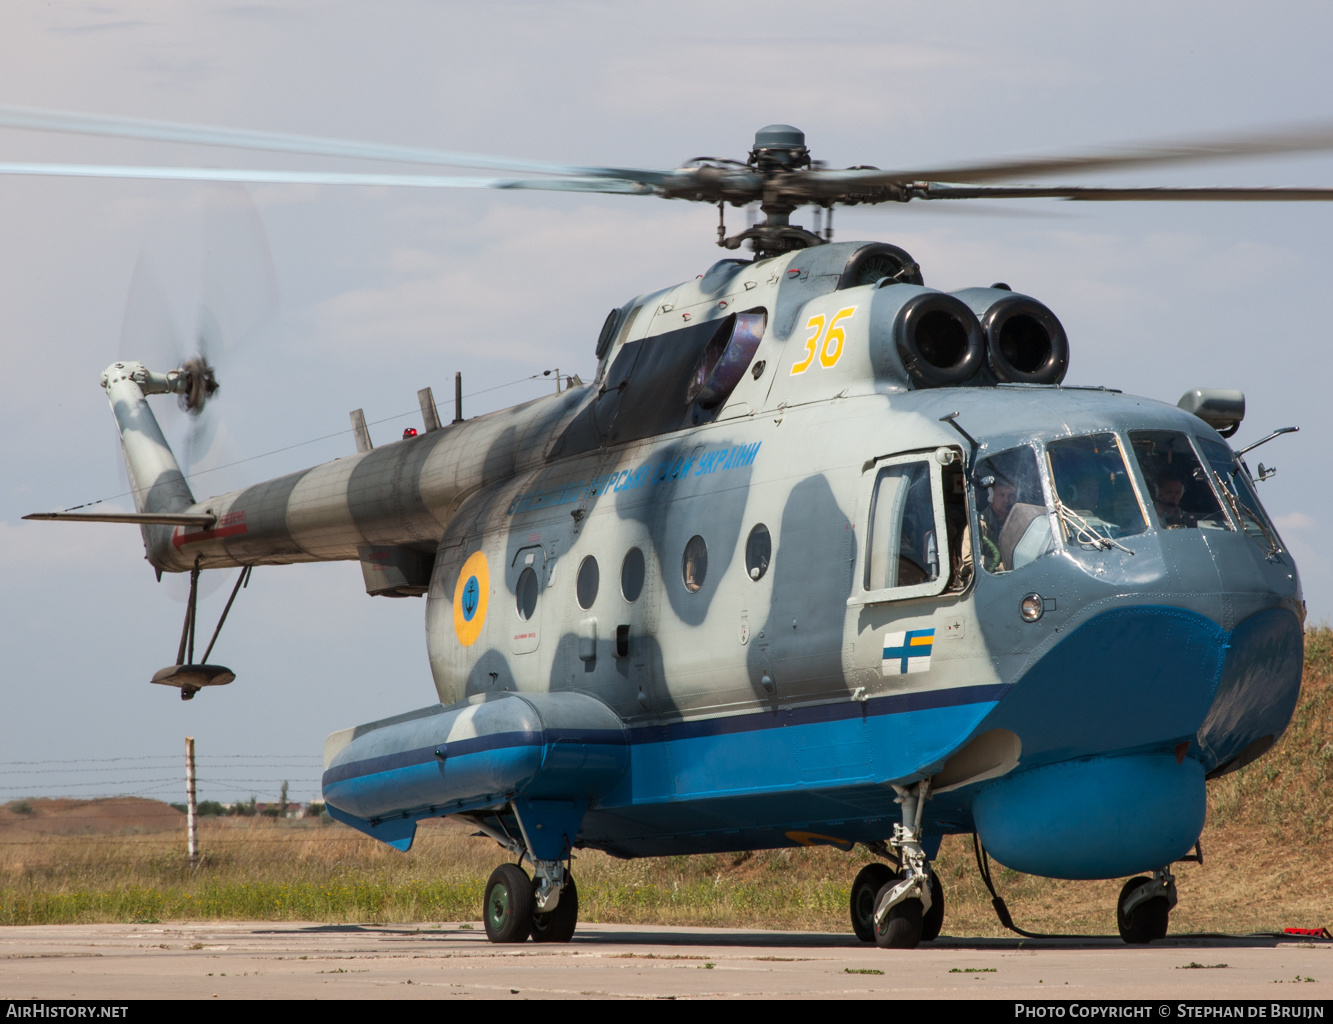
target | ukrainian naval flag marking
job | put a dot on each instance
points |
(907, 652)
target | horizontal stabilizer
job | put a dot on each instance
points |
(137, 518)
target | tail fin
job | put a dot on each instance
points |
(155, 476)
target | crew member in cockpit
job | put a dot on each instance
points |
(1002, 495)
(1170, 490)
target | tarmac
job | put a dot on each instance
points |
(285, 960)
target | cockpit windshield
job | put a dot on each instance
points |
(1095, 498)
(1240, 495)
(1014, 527)
(1182, 496)
(1192, 483)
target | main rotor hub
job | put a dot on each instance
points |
(779, 147)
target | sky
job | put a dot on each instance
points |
(337, 298)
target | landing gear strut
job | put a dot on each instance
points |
(187, 675)
(1144, 906)
(909, 907)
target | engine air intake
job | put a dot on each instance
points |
(1026, 342)
(876, 261)
(939, 340)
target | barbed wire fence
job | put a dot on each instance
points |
(220, 778)
(247, 786)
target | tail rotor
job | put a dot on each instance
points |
(201, 385)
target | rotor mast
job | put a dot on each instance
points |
(779, 151)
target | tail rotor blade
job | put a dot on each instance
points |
(238, 290)
(148, 331)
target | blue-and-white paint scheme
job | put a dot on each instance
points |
(808, 606)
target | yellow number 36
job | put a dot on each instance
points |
(827, 344)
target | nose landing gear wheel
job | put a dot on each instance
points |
(902, 929)
(869, 881)
(559, 924)
(507, 908)
(1147, 921)
(933, 919)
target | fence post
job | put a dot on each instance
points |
(191, 808)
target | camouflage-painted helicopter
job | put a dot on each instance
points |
(821, 556)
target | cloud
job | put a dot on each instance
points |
(735, 73)
(489, 290)
(1294, 521)
(101, 26)
(30, 549)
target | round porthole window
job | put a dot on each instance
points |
(525, 595)
(586, 587)
(631, 575)
(694, 564)
(758, 551)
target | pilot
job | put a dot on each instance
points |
(1002, 495)
(1170, 490)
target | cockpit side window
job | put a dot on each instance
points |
(1182, 495)
(1095, 498)
(1239, 494)
(1013, 524)
(904, 542)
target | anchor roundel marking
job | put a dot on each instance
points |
(470, 598)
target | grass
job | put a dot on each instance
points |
(281, 870)
(1287, 795)
(1267, 866)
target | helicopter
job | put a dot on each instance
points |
(820, 556)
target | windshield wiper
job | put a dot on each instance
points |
(1241, 518)
(1084, 532)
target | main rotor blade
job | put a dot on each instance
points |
(263, 177)
(1310, 139)
(280, 142)
(934, 190)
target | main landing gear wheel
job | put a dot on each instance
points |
(933, 919)
(869, 881)
(1145, 922)
(559, 924)
(903, 927)
(507, 909)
